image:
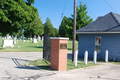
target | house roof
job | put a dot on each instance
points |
(109, 23)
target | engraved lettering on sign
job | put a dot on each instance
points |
(63, 46)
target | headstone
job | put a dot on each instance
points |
(30, 38)
(23, 40)
(5, 38)
(7, 43)
(34, 40)
(38, 39)
(14, 42)
(16, 36)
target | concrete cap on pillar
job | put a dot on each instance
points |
(59, 38)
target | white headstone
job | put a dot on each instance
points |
(38, 38)
(7, 43)
(14, 42)
(5, 38)
(23, 40)
(30, 38)
(34, 40)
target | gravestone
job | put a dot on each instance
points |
(30, 38)
(23, 40)
(7, 43)
(38, 39)
(34, 40)
(14, 42)
(42, 38)
(5, 38)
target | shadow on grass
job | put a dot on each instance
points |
(44, 67)
(69, 48)
(36, 46)
(2, 48)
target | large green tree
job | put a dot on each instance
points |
(15, 15)
(56, 32)
(48, 27)
(82, 19)
(36, 29)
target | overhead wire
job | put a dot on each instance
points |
(110, 6)
(63, 11)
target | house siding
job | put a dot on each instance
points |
(110, 42)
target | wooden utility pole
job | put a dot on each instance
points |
(74, 31)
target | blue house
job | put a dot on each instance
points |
(101, 35)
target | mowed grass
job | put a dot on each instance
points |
(21, 46)
(28, 46)
(70, 44)
(43, 64)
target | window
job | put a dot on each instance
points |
(98, 44)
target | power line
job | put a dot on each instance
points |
(63, 11)
(109, 5)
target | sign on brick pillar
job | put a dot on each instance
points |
(58, 53)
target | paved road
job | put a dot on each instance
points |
(10, 69)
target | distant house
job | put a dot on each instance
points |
(101, 35)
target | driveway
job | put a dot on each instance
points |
(10, 69)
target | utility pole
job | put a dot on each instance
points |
(74, 31)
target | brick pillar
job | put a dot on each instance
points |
(58, 53)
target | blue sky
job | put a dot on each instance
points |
(54, 8)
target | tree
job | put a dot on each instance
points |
(29, 2)
(48, 28)
(56, 32)
(82, 19)
(64, 28)
(15, 15)
(36, 29)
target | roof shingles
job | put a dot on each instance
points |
(107, 23)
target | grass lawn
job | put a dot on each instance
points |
(28, 46)
(42, 63)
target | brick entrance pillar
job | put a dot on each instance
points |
(58, 53)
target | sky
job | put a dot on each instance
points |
(54, 9)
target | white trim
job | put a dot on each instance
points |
(97, 32)
(59, 38)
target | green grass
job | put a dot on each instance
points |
(70, 43)
(80, 64)
(24, 47)
(29, 46)
(42, 63)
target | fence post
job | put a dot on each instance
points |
(95, 57)
(85, 57)
(106, 56)
(75, 58)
